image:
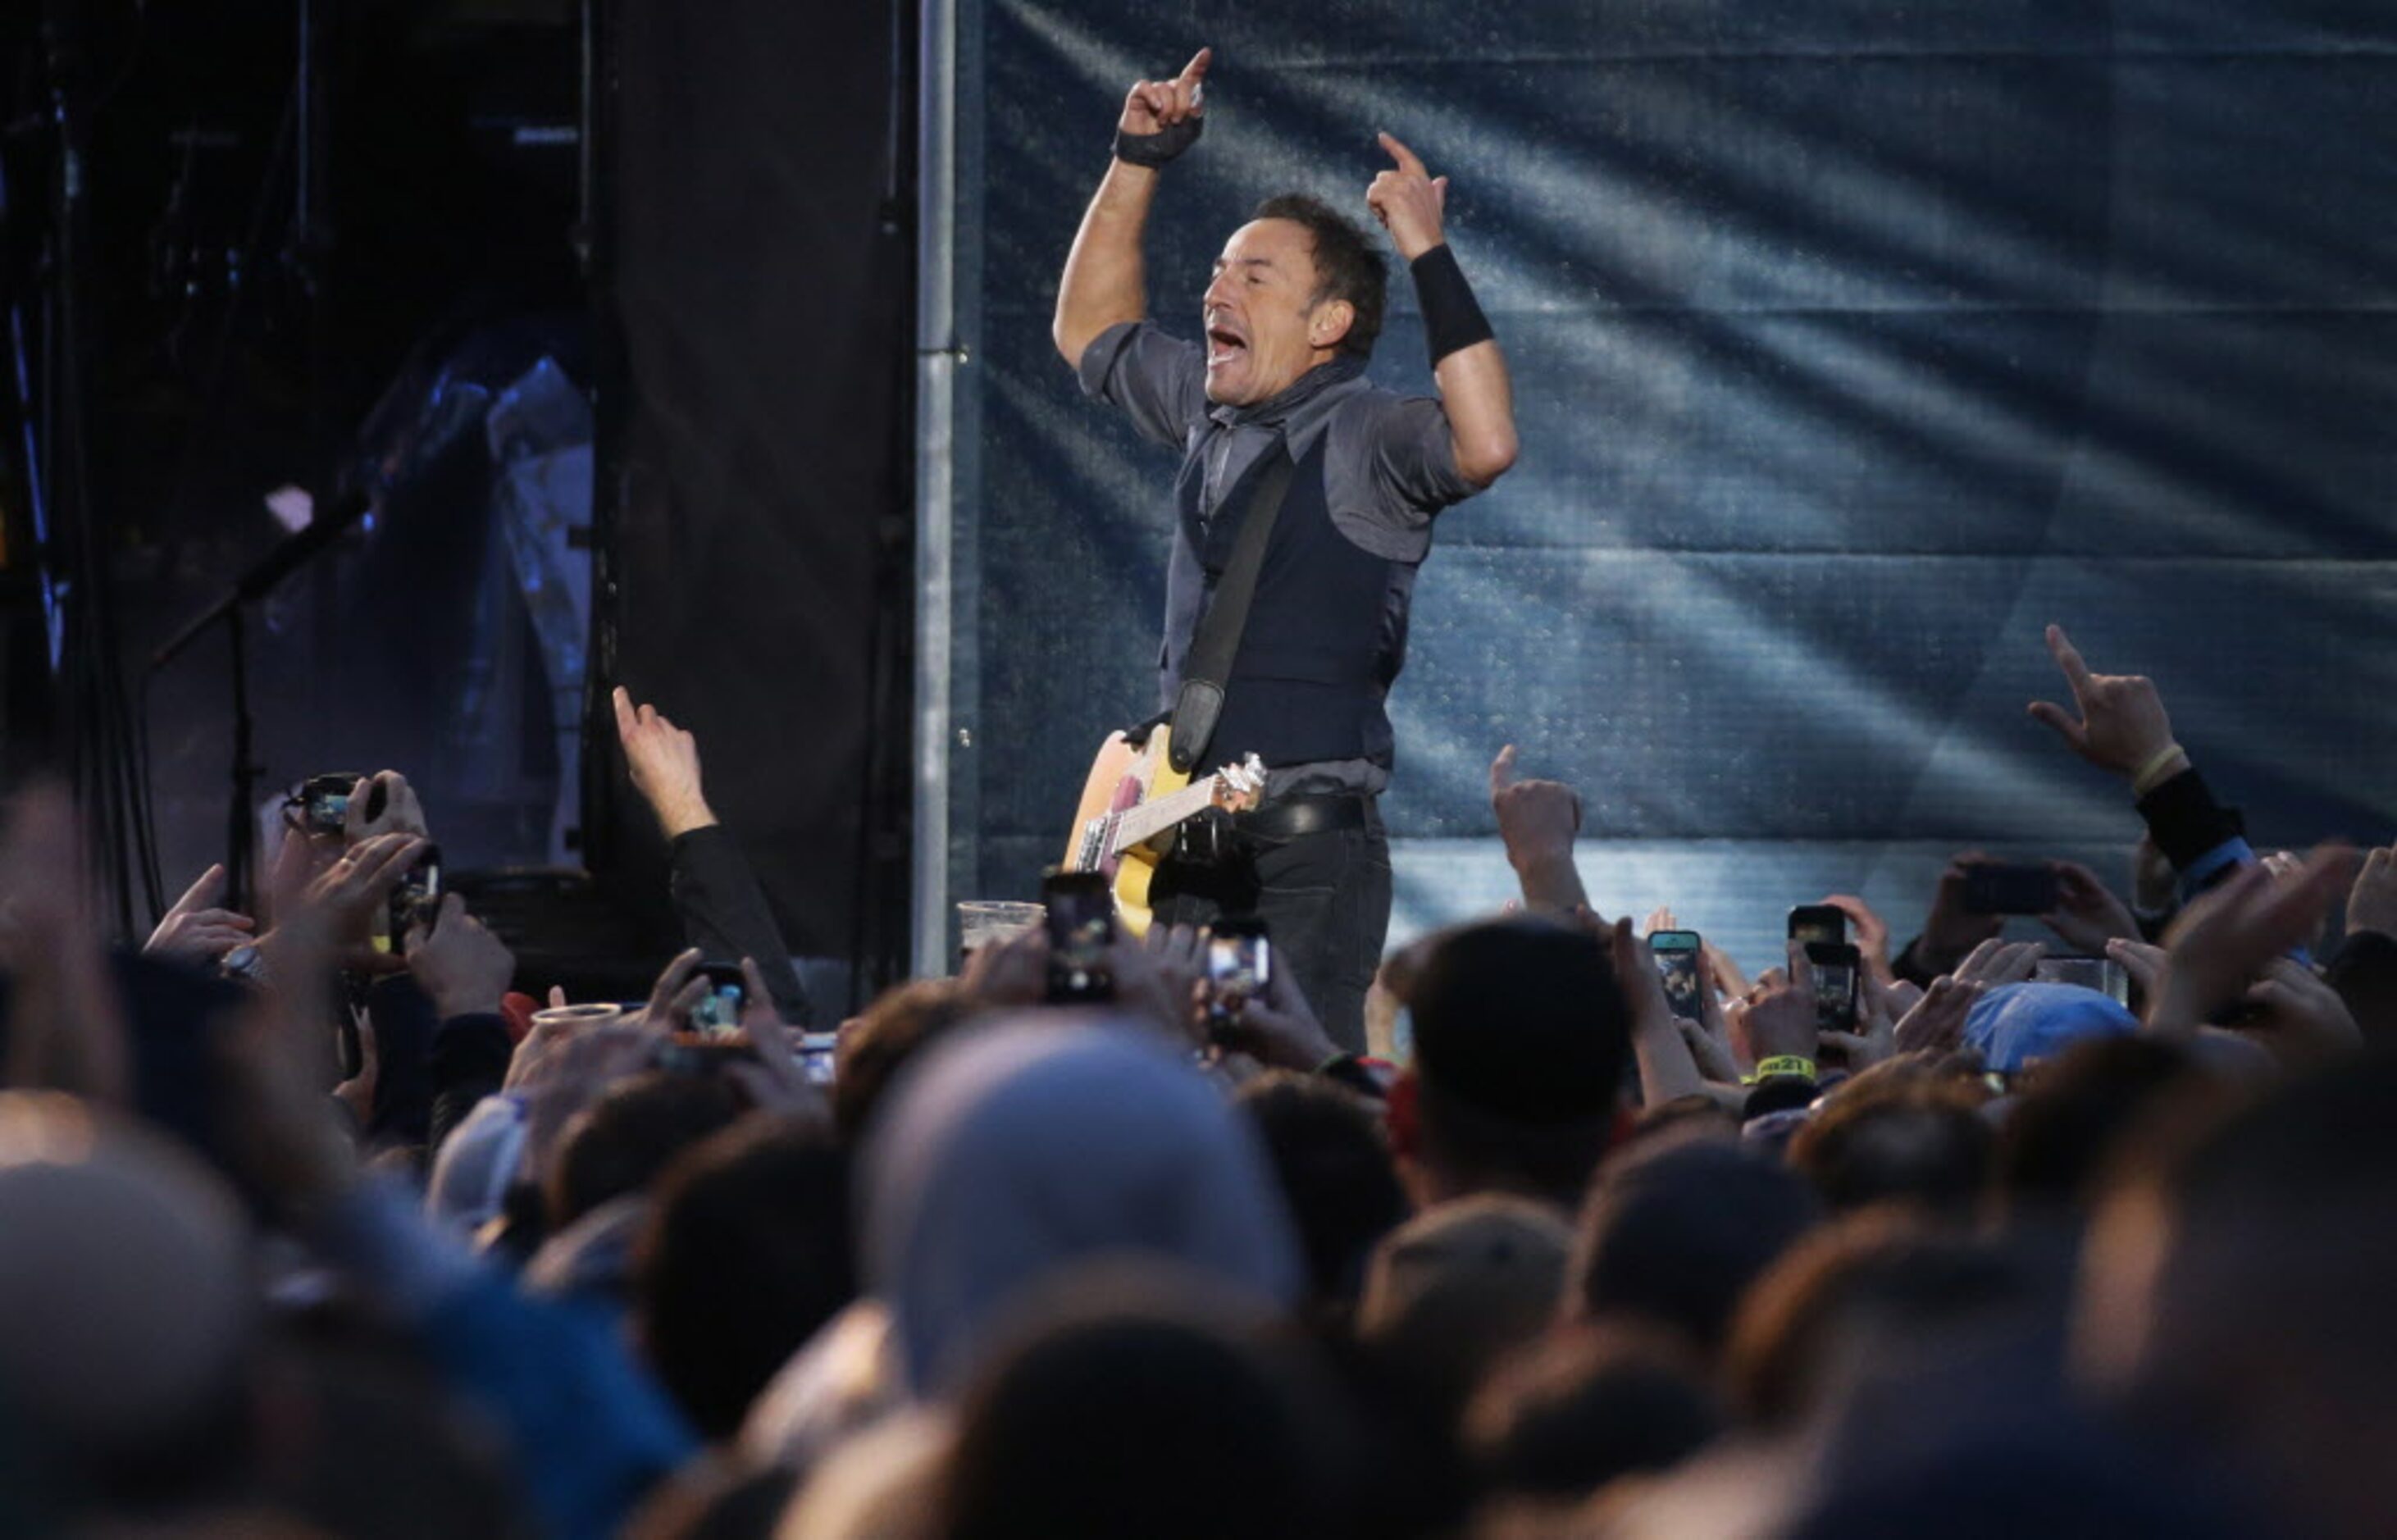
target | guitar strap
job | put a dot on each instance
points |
(1209, 662)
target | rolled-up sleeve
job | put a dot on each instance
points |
(1392, 467)
(1158, 382)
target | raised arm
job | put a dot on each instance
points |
(1466, 361)
(1104, 281)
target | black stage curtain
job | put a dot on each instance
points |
(757, 281)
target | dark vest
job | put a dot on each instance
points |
(1327, 631)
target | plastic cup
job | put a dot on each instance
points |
(984, 922)
(577, 1015)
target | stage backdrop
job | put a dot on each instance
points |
(1851, 344)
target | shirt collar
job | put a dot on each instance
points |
(1277, 411)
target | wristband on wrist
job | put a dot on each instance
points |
(2154, 772)
(1154, 150)
(1784, 1064)
(1453, 318)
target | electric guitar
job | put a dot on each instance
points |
(1133, 802)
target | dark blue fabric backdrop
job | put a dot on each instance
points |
(1852, 342)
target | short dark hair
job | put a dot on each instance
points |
(1348, 264)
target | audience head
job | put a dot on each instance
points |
(1921, 1142)
(879, 1044)
(1145, 1410)
(1332, 1161)
(1459, 1287)
(745, 1254)
(2074, 1113)
(1674, 1238)
(1874, 1287)
(1522, 1040)
(621, 1141)
(127, 1303)
(1020, 1150)
(1592, 1405)
(2237, 1282)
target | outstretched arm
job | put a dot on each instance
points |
(1105, 282)
(1466, 361)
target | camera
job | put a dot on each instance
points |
(323, 801)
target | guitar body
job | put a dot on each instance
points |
(1123, 778)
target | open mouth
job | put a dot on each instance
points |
(1224, 345)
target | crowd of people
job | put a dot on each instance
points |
(308, 1232)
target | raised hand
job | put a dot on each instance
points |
(2123, 725)
(2087, 914)
(664, 762)
(2298, 1017)
(1408, 201)
(1154, 106)
(195, 931)
(1537, 821)
(462, 967)
(395, 810)
(2372, 902)
(2223, 939)
(1870, 931)
(1952, 930)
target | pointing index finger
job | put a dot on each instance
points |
(1195, 71)
(1408, 161)
(2068, 658)
(1502, 771)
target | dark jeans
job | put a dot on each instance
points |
(1325, 899)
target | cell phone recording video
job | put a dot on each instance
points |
(718, 1012)
(1082, 923)
(1835, 967)
(415, 899)
(2003, 888)
(1678, 959)
(1239, 965)
(1818, 922)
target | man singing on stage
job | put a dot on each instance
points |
(1276, 419)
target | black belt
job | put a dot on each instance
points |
(1294, 816)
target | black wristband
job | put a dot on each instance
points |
(1154, 150)
(1453, 318)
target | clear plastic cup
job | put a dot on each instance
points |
(984, 922)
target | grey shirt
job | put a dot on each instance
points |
(1390, 464)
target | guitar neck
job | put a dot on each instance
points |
(1139, 826)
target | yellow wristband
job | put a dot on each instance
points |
(1786, 1064)
(2150, 775)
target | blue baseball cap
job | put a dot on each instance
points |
(2017, 1023)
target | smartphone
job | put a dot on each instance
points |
(1239, 964)
(718, 1015)
(1679, 960)
(1081, 909)
(415, 899)
(1835, 965)
(325, 802)
(2002, 888)
(2103, 974)
(1818, 922)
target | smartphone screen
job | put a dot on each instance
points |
(1818, 922)
(1239, 963)
(1678, 958)
(718, 1015)
(1835, 967)
(1082, 921)
(1995, 888)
